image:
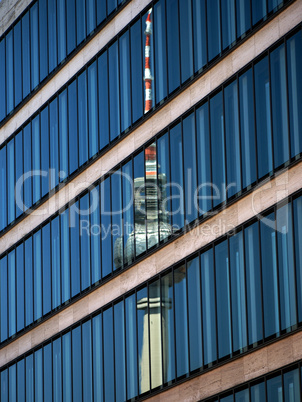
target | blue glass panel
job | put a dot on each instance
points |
(253, 283)
(286, 267)
(11, 181)
(194, 309)
(17, 64)
(4, 385)
(297, 210)
(258, 10)
(119, 347)
(108, 355)
(204, 192)
(160, 73)
(91, 15)
(156, 327)
(111, 5)
(269, 276)
(199, 25)
(63, 135)
(274, 389)
(294, 66)
(81, 20)
(186, 39)
(46, 269)
(48, 356)
(106, 227)
(77, 364)
(12, 383)
(273, 4)
(238, 297)
(55, 259)
(173, 47)
(95, 239)
(38, 375)
(87, 362)
(263, 119)
(83, 120)
(11, 268)
(97, 337)
(228, 23)
(74, 249)
(73, 127)
(131, 346)
(143, 340)
(279, 106)
(28, 282)
(103, 100)
(2, 81)
(242, 396)
(71, 27)
(52, 34)
(169, 331)
(25, 54)
(218, 152)
(93, 109)
(20, 286)
(85, 242)
(100, 11)
(36, 159)
(54, 143)
(177, 177)
(3, 190)
(125, 100)
(43, 38)
(136, 71)
(139, 202)
(190, 168)
(214, 41)
(3, 298)
(229, 398)
(37, 276)
(34, 46)
(45, 152)
(114, 98)
(232, 139)
(117, 222)
(66, 367)
(29, 375)
(291, 386)
(127, 183)
(21, 380)
(65, 267)
(182, 364)
(19, 173)
(247, 128)
(9, 72)
(27, 166)
(223, 299)
(243, 16)
(61, 21)
(57, 370)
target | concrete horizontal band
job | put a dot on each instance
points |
(10, 10)
(122, 19)
(236, 60)
(253, 204)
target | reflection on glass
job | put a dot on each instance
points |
(292, 386)
(274, 389)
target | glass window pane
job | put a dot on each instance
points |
(57, 370)
(11, 181)
(291, 386)
(29, 375)
(83, 121)
(19, 173)
(74, 249)
(232, 139)
(173, 47)
(208, 306)
(12, 383)
(242, 396)
(131, 346)
(199, 25)
(71, 32)
(43, 38)
(228, 23)
(98, 385)
(152, 195)
(73, 127)
(54, 143)
(63, 135)
(46, 269)
(3, 190)
(160, 73)
(263, 119)
(247, 129)
(114, 98)
(143, 340)
(4, 385)
(77, 364)
(9, 71)
(52, 34)
(136, 71)
(55, 258)
(2, 81)
(48, 356)
(106, 227)
(238, 293)
(243, 14)
(17, 64)
(95, 239)
(65, 247)
(61, 20)
(253, 283)
(28, 282)
(119, 349)
(100, 11)
(297, 209)
(117, 221)
(27, 166)
(259, 10)
(85, 242)
(11, 293)
(103, 100)
(87, 362)
(108, 354)
(81, 20)
(20, 286)
(125, 101)
(274, 389)
(213, 15)
(111, 5)
(45, 151)
(279, 106)
(37, 276)
(93, 109)
(21, 380)
(36, 159)
(273, 4)
(218, 151)
(34, 46)
(139, 202)
(66, 367)
(3, 298)
(294, 66)
(127, 183)
(25, 55)
(269, 276)
(91, 15)
(38, 375)
(186, 40)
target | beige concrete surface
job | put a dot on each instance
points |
(10, 10)
(189, 97)
(253, 204)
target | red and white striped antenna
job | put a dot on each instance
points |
(148, 78)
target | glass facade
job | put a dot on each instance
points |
(82, 120)
(205, 309)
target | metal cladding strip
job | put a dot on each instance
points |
(148, 77)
